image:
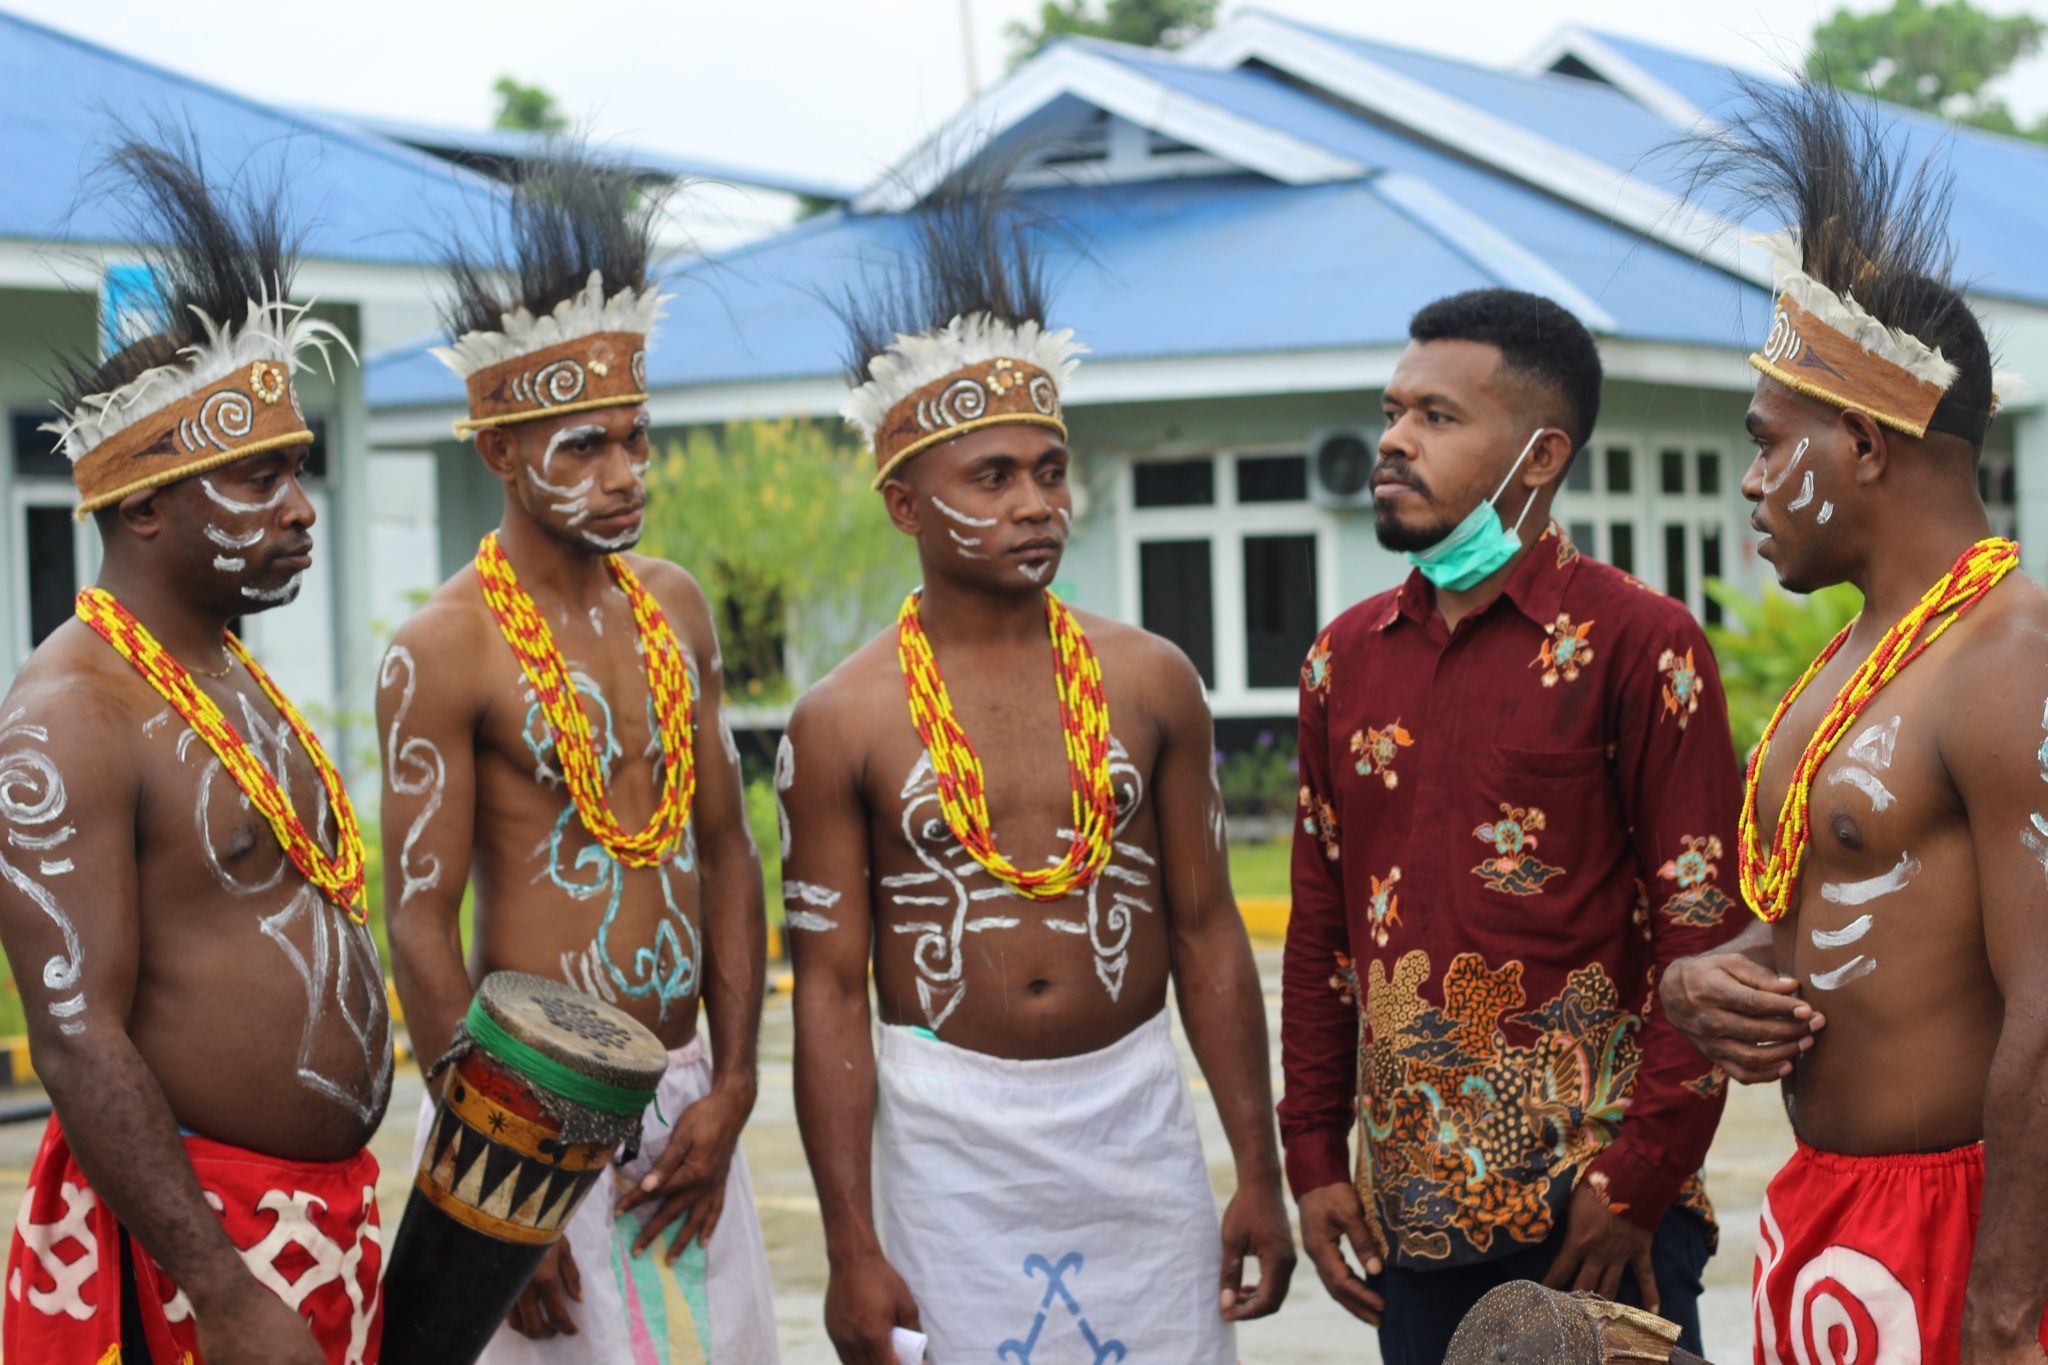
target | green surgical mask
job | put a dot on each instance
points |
(1479, 544)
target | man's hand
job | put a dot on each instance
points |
(865, 1299)
(689, 1175)
(1255, 1225)
(1744, 1017)
(1599, 1244)
(542, 1309)
(1330, 1217)
(255, 1328)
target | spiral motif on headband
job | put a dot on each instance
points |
(1783, 340)
(228, 413)
(558, 382)
(639, 368)
(1043, 396)
(1848, 1309)
(963, 401)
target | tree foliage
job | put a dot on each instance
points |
(1145, 23)
(1940, 58)
(793, 549)
(527, 107)
(1776, 636)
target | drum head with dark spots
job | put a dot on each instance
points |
(582, 1033)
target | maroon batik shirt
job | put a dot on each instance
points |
(1506, 832)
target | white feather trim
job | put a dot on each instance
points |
(975, 339)
(1845, 315)
(584, 315)
(274, 331)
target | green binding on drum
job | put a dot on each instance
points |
(547, 1073)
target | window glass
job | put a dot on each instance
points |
(52, 569)
(35, 451)
(1674, 561)
(1279, 607)
(1272, 478)
(1582, 533)
(1671, 471)
(1178, 603)
(1579, 478)
(1175, 483)
(1621, 546)
(1710, 567)
(1621, 469)
(1710, 473)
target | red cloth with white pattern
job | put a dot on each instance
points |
(308, 1231)
(1864, 1259)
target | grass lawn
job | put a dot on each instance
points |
(1260, 869)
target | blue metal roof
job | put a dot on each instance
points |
(359, 198)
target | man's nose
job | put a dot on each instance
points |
(1753, 479)
(297, 509)
(618, 472)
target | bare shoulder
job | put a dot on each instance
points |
(1153, 666)
(2008, 629)
(450, 627)
(672, 585)
(1995, 680)
(75, 693)
(842, 703)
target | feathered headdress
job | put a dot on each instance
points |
(1865, 315)
(211, 381)
(540, 337)
(956, 340)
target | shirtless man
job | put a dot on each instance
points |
(206, 1009)
(1908, 910)
(476, 784)
(1043, 1186)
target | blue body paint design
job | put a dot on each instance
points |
(667, 968)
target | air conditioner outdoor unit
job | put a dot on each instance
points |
(1340, 466)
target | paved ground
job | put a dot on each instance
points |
(1310, 1330)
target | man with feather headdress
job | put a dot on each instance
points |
(554, 725)
(1893, 840)
(1043, 1194)
(181, 880)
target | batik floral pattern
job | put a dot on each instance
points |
(1681, 685)
(1344, 981)
(1514, 869)
(1318, 819)
(1697, 902)
(1564, 650)
(1315, 670)
(1376, 751)
(1709, 1086)
(1567, 548)
(1470, 1136)
(1384, 909)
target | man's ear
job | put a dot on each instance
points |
(1867, 442)
(140, 514)
(1547, 458)
(498, 447)
(901, 501)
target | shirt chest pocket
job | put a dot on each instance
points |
(1538, 814)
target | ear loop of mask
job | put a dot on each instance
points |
(1494, 501)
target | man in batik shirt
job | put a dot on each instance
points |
(1518, 803)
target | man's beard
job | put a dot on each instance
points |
(1403, 539)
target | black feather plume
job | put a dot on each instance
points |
(571, 213)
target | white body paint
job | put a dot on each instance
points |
(961, 517)
(1873, 750)
(1805, 493)
(1866, 782)
(1855, 969)
(413, 767)
(1798, 453)
(32, 799)
(1844, 936)
(810, 921)
(785, 778)
(285, 592)
(1869, 889)
(809, 893)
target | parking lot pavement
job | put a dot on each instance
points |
(1310, 1329)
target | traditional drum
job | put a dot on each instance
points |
(544, 1086)
(1523, 1323)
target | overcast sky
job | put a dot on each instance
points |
(834, 89)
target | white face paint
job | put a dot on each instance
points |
(965, 544)
(1798, 453)
(1869, 889)
(32, 801)
(962, 517)
(575, 499)
(1035, 572)
(227, 564)
(1805, 493)
(1066, 517)
(587, 431)
(1827, 511)
(220, 499)
(624, 540)
(413, 767)
(288, 591)
(228, 542)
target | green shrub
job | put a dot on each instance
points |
(1776, 636)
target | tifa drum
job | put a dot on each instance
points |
(1523, 1323)
(544, 1084)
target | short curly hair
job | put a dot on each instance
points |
(1536, 338)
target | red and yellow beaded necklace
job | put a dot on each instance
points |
(963, 794)
(1770, 883)
(526, 631)
(340, 878)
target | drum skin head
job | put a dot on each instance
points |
(581, 1032)
(1522, 1323)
